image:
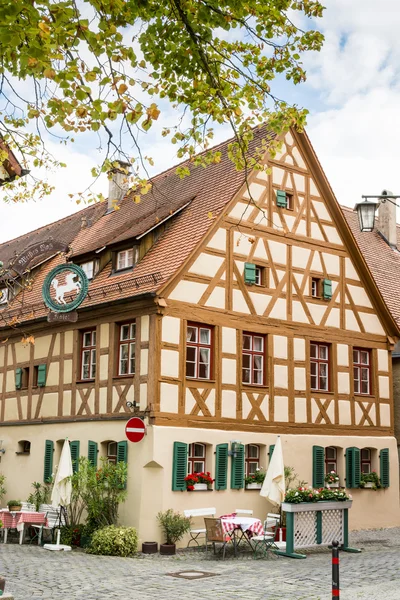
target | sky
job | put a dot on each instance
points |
(352, 93)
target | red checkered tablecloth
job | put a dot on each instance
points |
(249, 524)
(14, 520)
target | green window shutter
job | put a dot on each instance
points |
(237, 468)
(318, 470)
(179, 467)
(271, 451)
(18, 378)
(41, 379)
(74, 447)
(384, 467)
(122, 452)
(48, 460)
(249, 273)
(353, 468)
(92, 453)
(327, 289)
(221, 466)
(281, 199)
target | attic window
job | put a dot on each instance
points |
(126, 258)
(90, 268)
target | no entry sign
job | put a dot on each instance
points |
(135, 429)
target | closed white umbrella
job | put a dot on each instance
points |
(273, 487)
(62, 489)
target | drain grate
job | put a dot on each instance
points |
(192, 574)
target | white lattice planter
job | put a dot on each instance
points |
(311, 524)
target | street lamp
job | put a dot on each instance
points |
(366, 210)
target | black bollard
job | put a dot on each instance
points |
(335, 571)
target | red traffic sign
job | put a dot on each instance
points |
(135, 429)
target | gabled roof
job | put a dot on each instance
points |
(382, 260)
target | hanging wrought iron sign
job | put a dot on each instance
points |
(35, 252)
(64, 289)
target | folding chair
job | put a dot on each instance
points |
(216, 534)
(198, 512)
(54, 521)
(264, 542)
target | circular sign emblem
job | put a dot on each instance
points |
(65, 288)
(135, 429)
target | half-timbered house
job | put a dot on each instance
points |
(227, 311)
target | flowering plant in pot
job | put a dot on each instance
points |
(255, 480)
(199, 481)
(370, 480)
(14, 505)
(174, 526)
(332, 478)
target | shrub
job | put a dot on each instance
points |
(41, 494)
(114, 541)
(174, 525)
(302, 494)
(13, 503)
(3, 490)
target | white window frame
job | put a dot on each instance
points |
(90, 272)
(360, 369)
(193, 459)
(251, 460)
(88, 350)
(130, 343)
(126, 259)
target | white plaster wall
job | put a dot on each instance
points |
(218, 241)
(299, 348)
(351, 272)
(278, 252)
(300, 257)
(300, 410)
(228, 408)
(344, 412)
(144, 328)
(371, 323)
(217, 298)
(281, 409)
(280, 346)
(228, 370)
(332, 263)
(299, 379)
(384, 411)
(383, 360)
(359, 296)
(342, 355)
(170, 363)
(206, 264)
(343, 383)
(188, 291)
(144, 361)
(104, 335)
(170, 329)
(384, 386)
(260, 302)
(168, 397)
(241, 210)
(228, 340)
(256, 190)
(280, 376)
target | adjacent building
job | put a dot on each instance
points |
(223, 311)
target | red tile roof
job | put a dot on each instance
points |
(208, 190)
(383, 261)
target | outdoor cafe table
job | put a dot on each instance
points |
(18, 520)
(248, 526)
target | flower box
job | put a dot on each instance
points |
(200, 487)
(336, 484)
(369, 485)
(253, 486)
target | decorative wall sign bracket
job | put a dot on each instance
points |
(64, 289)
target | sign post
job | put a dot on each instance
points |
(135, 429)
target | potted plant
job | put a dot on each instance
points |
(199, 481)
(370, 480)
(255, 480)
(332, 480)
(174, 526)
(14, 505)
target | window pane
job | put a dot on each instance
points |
(365, 387)
(199, 450)
(313, 382)
(129, 257)
(331, 466)
(330, 452)
(258, 276)
(247, 342)
(323, 383)
(364, 358)
(252, 451)
(258, 344)
(124, 332)
(323, 352)
(246, 358)
(133, 331)
(93, 338)
(364, 374)
(191, 353)
(121, 258)
(124, 351)
(314, 351)
(365, 454)
(356, 356)
(87, 338)
(253, 466)
(93, 366)
(314, 368)
(323, 369)
(204, 367)
(258, 369)
(365, 468)
(190, 369)
(246, 376)
(205, 335)
(132, 360)
(88, 269)
(191, 334)
(199, 467)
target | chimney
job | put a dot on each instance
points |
(118, 184)
(84, 222)
(387, 219)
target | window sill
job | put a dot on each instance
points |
(23, 453)
(200, 380)
(321, 393)
(364, 395)
(85, 381)
(128, 376)
(254, 386)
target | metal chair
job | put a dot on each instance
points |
(216, 534)
(55, 519)
(28, 507)
(198, 512)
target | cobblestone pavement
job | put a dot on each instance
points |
(33, 573)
